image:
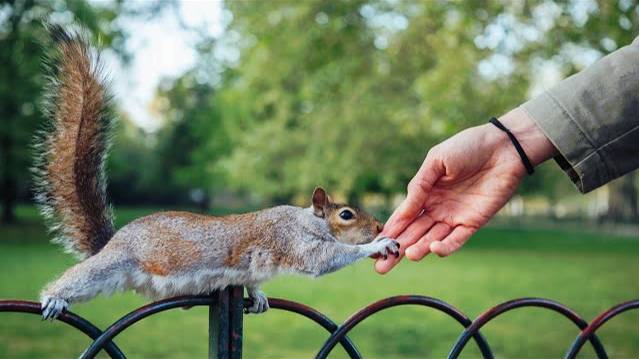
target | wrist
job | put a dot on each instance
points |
(537, 146)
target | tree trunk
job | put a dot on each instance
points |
(622, 199)
(8, 182)
(8, 200)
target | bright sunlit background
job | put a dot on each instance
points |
(231, 106)
(162, 47)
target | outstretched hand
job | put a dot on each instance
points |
(461, 185)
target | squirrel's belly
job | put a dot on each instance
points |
(197, 282)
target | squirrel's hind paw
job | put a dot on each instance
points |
(260, 303)
(53, 307)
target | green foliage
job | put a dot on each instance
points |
(193, 136)
(352, 94)
(324, 102)
(133, 167)
(349, 95)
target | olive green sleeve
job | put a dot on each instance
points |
(592, 118)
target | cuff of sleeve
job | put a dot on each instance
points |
(578, 158)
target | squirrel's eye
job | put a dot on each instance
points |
(346, 214)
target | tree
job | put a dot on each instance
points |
(324, 94)
(193, 137)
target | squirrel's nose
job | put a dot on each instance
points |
(379, 227)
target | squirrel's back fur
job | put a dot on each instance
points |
(71, 148)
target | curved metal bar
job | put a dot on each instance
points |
(497, 310)
(74, 320)
(103, 340)
(598, 322)
(386, 303)
(317, 317)
(141, 313)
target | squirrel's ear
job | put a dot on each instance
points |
(320, 202)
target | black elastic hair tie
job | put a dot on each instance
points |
(513, 139)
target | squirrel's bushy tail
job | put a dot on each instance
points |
(71, 149)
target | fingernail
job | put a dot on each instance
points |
(409, 252)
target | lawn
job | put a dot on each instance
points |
(585, 271)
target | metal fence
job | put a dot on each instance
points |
(227, 307)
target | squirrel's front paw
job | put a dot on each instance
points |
(386, 246)
(53, 307)
(260, 302)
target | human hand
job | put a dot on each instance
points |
(460, 186)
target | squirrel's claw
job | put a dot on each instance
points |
(387, 246)
(53, 307)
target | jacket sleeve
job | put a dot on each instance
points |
(592, 118)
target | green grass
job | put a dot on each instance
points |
(585, 271)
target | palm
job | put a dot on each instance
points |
(463, 182)
(471, 199)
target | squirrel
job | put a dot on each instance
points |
(166, 253)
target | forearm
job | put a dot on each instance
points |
(327, 257)
(592, 118)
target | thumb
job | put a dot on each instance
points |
(405, 213)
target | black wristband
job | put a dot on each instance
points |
(513, 139)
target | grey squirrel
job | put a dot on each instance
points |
(167, 253)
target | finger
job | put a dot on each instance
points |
(412, 233)
(417, 191)
(453, 241)
(420, 249)
(406, 213)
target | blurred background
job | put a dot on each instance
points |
(232, 106)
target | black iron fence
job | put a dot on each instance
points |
(226, 310)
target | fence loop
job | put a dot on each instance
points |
(141, 313)
(386, 303)
(227, 342)
(497, 310)
(588, 333)
(317, 317)
(77, 322)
